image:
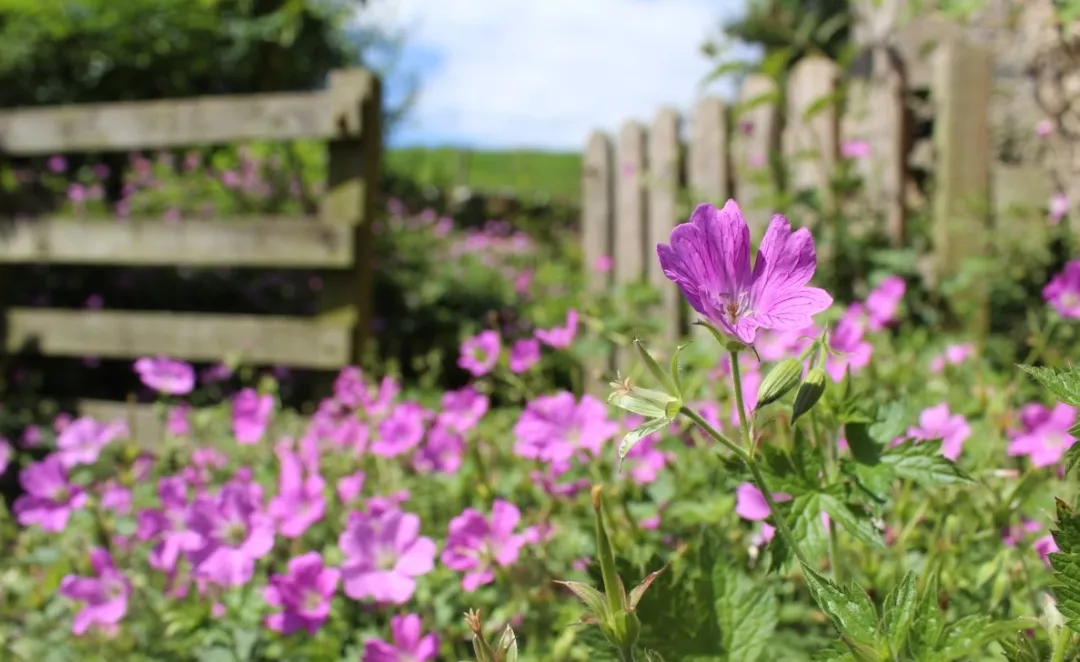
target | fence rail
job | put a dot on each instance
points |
(337, 243)
(632, 186)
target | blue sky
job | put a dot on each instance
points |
(509, 74)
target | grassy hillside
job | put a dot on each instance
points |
(527, 173)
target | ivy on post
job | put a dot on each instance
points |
(354, 158)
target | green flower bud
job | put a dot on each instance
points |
(810, 391)
(782, 378)
(647, 402)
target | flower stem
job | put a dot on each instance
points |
(1061, 643)
(744, 426)
(759, 479)
(828, 453)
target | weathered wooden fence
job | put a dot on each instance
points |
(642, 181)
(336, 243)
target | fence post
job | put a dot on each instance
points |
(597, 207)
(707, 154)
(754, 144)
(961, 91)
(811, 136)
(630, 219)
(350, 199)
(663, 201)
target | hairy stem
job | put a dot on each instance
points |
(828, 454)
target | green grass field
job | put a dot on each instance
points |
(526, 173)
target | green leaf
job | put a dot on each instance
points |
(922, 463)
(857, 525)
(926, 630)
(634, 436)
(849, 609)
(594, 600)
(892, 422)
(835, 653)
(746, 612)
(1064, 384)
(1066, 565)
(1072, 454)
(899, 612)
(967, 636)
(863, 447)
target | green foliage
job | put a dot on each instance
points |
(519, 173)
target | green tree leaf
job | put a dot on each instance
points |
(899, 612)
(746, 612)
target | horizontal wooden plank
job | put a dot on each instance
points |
(170, 123)
(241, 242)
(257, 339)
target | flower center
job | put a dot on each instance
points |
(113, 589)
(311, 601)
(1056, 440)
(1070, 300)
(735, 307)
(386, 559)
(234, 534)
(61, 495)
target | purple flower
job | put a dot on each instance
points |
(233, 533)
(462, 409)
(553, 428)
(166, 375)
(709, 259)
(105, 595)
(750, 503)
(1044, 127)
(560, 337)
(645, 461)
(939, 423)
(407, 646)
(300, 501)
(49, 498)
(1063, 291)
(349, 487)
(5, 455)
(116, 497)
(776, 345)
(1045, 435)
(441, 453)
(480, 353)
(1014, 533)
(178, 420)
(57, 164)
(250, 415)
(884, 300)
(476, 545)
(1045, 546)
(82, 440)
(524, 354)
(385, 553)
(402, 431)
(303, 593)
(855, 149)
(168, 525)
(848, 339)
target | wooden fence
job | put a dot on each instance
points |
(337, 243)
(642, 181)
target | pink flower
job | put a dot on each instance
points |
(104, 595)
(883, 302)
(300, 501)
(1059, 206)
(645, 461)
(349, 487)
(1044, 127)
(442, 452)
(49, 498)
(233, 531)
(1045, 546)
(5, 455)
(250, 415)
(57, 164)
(939, 423)
(709, 259)
(178, 422)
(855, 149)
(402, 431)
(776, 345)
(953, 355)
(524, 354)
(602, 264)
(750, 503)
(167, 526)
(303, 593)
(82, 440)
(166, 375)
(480, 353)
(848, 339)
(1063, 291)
(553, 428)
(560, 337)
(385, 553)
(407, 646)
(1045, 434)
(477, 545)
(462, 409)
(1012, 534)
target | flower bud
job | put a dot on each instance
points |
(647, 402)
(810, 391)
(483, 650)
(781, 379)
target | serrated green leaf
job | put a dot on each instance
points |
(892, 422)
(922, 463)
(1066, 564)
(967, 636)
(857, 525)
(833, 654)
(594, 600)
(746, 612)
(899, 612)
(849, 609)
(1064, 384)
(1072, 454)
(929, 621)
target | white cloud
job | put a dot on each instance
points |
(543, 73)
